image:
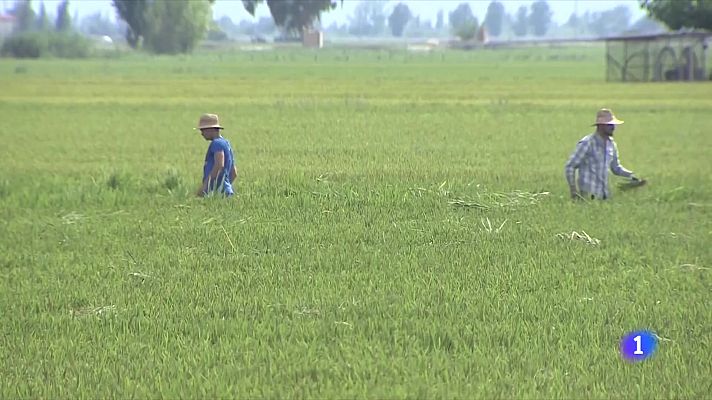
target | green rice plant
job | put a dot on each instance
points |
(393, 234)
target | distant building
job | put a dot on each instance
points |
(483, 35)
(313, 39)
(7, 25)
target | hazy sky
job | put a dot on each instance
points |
(427, 9)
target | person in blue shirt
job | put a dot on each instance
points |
(219, 170)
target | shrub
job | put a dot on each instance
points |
(42, 44)
(216, 35)
(25, 45)
(69, 45)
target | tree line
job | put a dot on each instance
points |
(171, 26)
(28, 20)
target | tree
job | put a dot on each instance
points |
(134, 13)
(573, 21)
(494, 18)
(520, 22)
(337, 30)
(231, 29)
(215, 33)
(265, 26)
(540, 18)
(678, 14)
(467, 29)
(418, 28)
(463, 22)
(291, 15)
(96, 24)
(42, 19)
(610, 22)
(647, 26)
(141, 16)
(24, 14)
(439, 24)
(369, 18)
(460, 16)
(574, 24)
(64, 21)
(176, 26)
(399, 19)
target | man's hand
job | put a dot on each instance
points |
(632, 183)
(575, 195)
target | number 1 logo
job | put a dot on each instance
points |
(637, 351)
(639, 345)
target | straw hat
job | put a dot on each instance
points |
(604, 116)
(209, 121)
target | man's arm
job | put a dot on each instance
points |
(616, 166)
(218, 165)
(573, 163)
(233, 173)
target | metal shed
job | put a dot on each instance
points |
(676, 56)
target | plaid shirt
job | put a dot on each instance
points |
(592, 157)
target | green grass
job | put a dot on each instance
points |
(389, 239)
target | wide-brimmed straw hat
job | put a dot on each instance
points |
(604, 116)
(209, 121)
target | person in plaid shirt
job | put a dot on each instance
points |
(594, 155)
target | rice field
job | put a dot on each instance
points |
(401, 229)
